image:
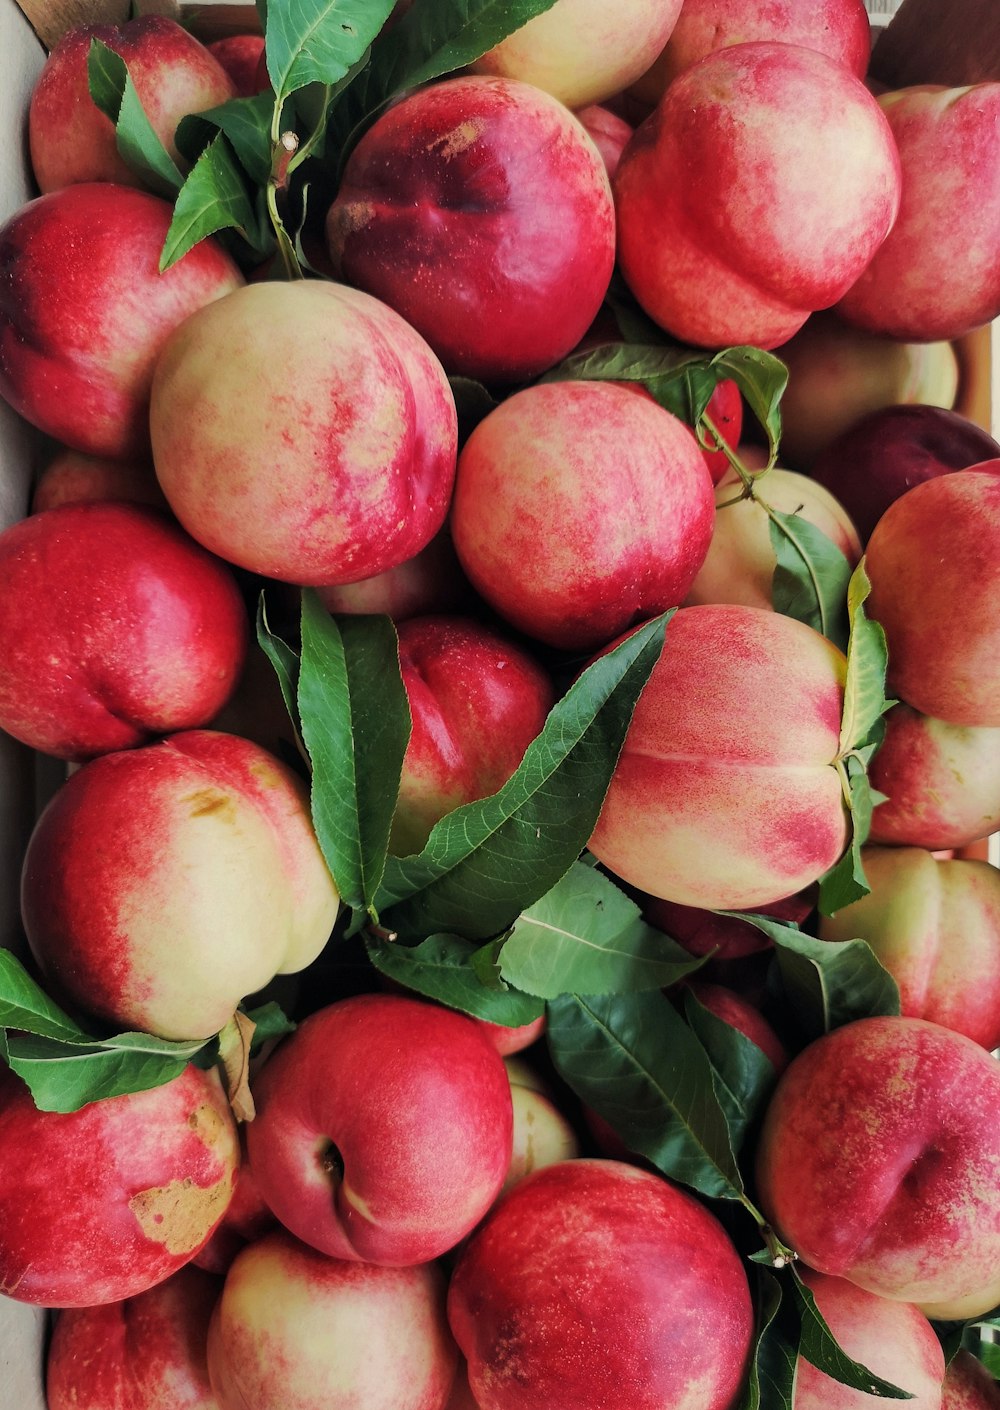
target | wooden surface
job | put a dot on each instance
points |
(953, 42)
(209, 19)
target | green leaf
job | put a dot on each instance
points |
(744, 1075)
(285, 662)
(65, 1066)
(820, 1349)
(634, 1061)
(212, 198)
(319, 41)
(246, 122)
(431, 40)
(355, 726)
(270, 1021)
(586, 937)
(828, 983)
(771, 1380)
(486, 862)
(762, 379)
(114, 93)
(811, 575)
(988, 1353)
(441, 968)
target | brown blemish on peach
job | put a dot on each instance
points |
(205, 801)
(180, 1215)
(459, 139)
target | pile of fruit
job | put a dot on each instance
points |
(507, 937)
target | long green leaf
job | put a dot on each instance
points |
(113, 91)
(486, 862)
(587, 937)
(811, 576)
(770, 1382)
(744, 1075)
(246, 122)
(319, 41)
(441, 968)
(213, 198)
(821, 1350)
(634, 1061)
(356, 726)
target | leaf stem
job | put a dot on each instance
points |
(781, 1254)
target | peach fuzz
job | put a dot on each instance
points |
(142, 1181)
(480, 210)
(941, 781)
(935, 926)
(84, 311)
(936, 276)
(350, 402)
(163, 885)
(878, 1161)
(731, 229)
(740, 563)
(71, 140)
(893, 1339)
(941, 627)
(581, 508)
(583, 51)
(593, 1282)
(476, 702)
(840, 29)
(726, 795)
(296, 1328)
(145, 1350)
(115, 627)
(383, 1129)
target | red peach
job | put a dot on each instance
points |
(730, 230)
(350, 401)
(72, 478)
(733, 1009)
(114, 627)
(173, 74)
(580, 509)
(476, 702)
(726, 795)
(148, 1350)
(877, 1162)
(102, 1203)
(431, 581)
(84, 311)
(481, 211)
(608, 132)
(969, 1386)
(241, 55)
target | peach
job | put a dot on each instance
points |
(84, 311)
(162, 885)
(581, 51)
(878, 1162)
(174, 74)
(941, 781)
(296, 1328)
(726, 795)
(114, 627)
(740, 1014)
(731, 229)
(941, 626)
(241, 56)
(740, 563)
(480, 210)
(969, 1386)
(580, 509)
(936, 276)
(935, 926)
(349, 400)
(147, 1350)
(608, 132)
(893, 1339)
(102, 1203)
(72, 478)
(431, 581)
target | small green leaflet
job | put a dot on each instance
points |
(633, 1060)
(771, 1380)
(319, 41)
(860, 735)
(586, 937)
(246, 122)
(435, 37)
(66, 1067)
(114, 93)
(811, 576)
(213, 198)
(683, 381)
(285, 662)
(819, 1348)
(356, 726)
(744, 1075)
(486, 862)
(828, 983)
(441, 968)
